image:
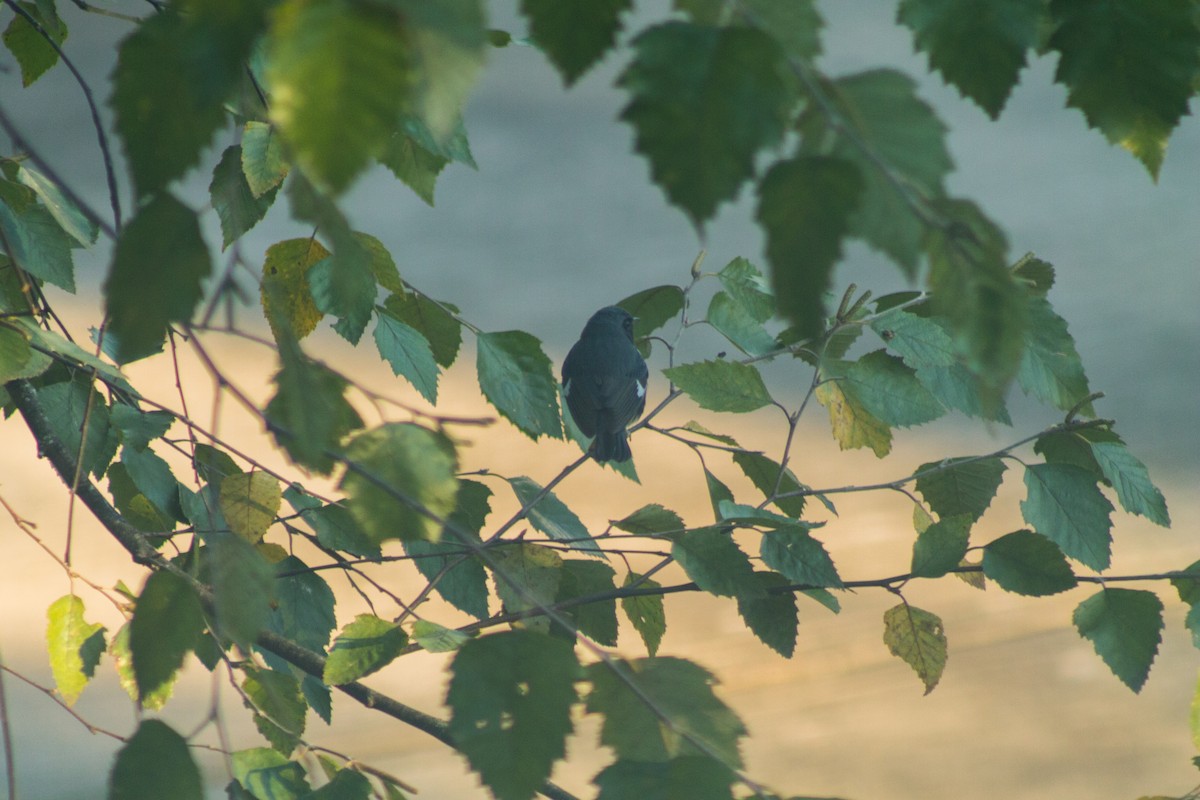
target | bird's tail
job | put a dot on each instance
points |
(611, 446)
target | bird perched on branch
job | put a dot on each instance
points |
(604, 382)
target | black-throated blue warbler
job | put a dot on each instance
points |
(604, 382)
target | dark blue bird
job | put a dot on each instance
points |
(604, 382)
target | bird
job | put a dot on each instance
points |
(604, 382)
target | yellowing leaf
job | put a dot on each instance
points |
(250, 501)
(285, 290)
(853, 426)
(917, 637)
(74, 646)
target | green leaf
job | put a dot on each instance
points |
(645, 612)
(794, 24)
(236, 206)
(552, 517)
(309, 414)
(919, 340)
(960, 485)
(1125, 626)
(1129, 476)
(1029, 564)
(17, 358)
(249, 503)
(853, 426)
(123, 661)
(977, 45)
(336, 529)
(516, 379)
(650, 520)
(804, 205)
(263, 163)
(280, 708)
(692, 777)
(988, 310)
(413, 164)
(1129, 66)
(574, 35)
(344, 287)
(286, 297)
(452, 147)
(748, 289)
(166, 623)
(598, 619)
(448, 43)
(1064, 504)
(916, 637)
(433, 320)
(772, 480)
(67, 408)
(173, 75)
(74, 646)
(346, 784)
(34, 54)
(941, 547)
(37, 244)
(772, 616)
(718, 492)
(318, 55)
(721, 385)
(158, 266)
(400, 479)
(153, 478)
(68, 215)
(381, 263)
(712, 559)
(736, 325)
(155, 762)
(243, 588)
(904, 140)
(733, 79)
(303, 609)
(680, 691)
(1050, 368)
(527, 578)
(799, 557)
(364, 646)
(889, 391)
(436, 638)
(462, 581)
(265, 773)
(409, 354)
(653, 308)
(137, 428)
(510, 699)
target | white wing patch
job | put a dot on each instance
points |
(567, 388)
(641, 389)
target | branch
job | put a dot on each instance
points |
(25, 398)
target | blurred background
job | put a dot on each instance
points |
(561, 219)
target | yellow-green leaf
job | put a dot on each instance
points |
(285, 291)
(74, 646)
(250, 501)
(917, 637)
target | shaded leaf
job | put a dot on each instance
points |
(1064, 504)
(598, 619)
(158, 266)
(650, 520)
(155, 762)
(279, 707)
(166, 623)
(552, 517)
(956, 486)
(941, 547)
(432, 319)
(309, 414)
(510, 698)
(400, 479)
(772, 480)
(408, 353)
(516, 379)
(712, 559)
(1129, 476)
(730, 77)
(681, 691)
(804, 205)
(574, 36)
(1027, 563)
(303, 608)
(263, 162)
(799, 557)
(243, 588)
(771, 616)
(645, 612)
(693, 777)
(236, 205)
(1125, 626)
